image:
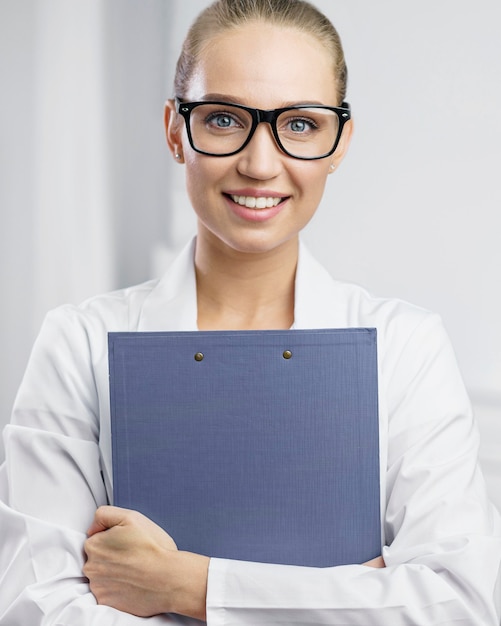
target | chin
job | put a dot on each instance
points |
(253, 240)
(261, 245)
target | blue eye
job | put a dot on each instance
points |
(222, 120)
(298, 126)
(301, 125)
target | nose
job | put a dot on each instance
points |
(261, 159)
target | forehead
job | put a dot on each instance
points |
(265, 65)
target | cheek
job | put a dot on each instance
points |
(311, 179)
(203, 175)
(197, 173)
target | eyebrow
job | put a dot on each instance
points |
(209, 97)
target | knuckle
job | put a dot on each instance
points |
(133, 517)
(88, 570)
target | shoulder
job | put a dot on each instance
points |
(119, 309)
(393, 317)
(151, 305)
(332, 302)
(408, 336)
(78, 334)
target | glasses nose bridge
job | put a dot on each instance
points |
(268, 117)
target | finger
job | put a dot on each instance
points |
(106, 517)
(377, 562)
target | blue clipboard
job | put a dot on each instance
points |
(254, 445)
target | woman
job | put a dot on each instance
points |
(253, 188)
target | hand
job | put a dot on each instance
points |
(377, 562)
(134, 566)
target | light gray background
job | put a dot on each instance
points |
(90, 199)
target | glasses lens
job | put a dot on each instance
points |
(308, 133)
(219, 129)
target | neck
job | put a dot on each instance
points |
(239, 290)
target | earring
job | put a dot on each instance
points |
(332, 167)
(177, 156)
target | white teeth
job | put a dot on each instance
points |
(251, 202)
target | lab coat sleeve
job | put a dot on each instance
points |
(51, 485)
(442, 535)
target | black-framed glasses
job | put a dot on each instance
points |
(302, 131)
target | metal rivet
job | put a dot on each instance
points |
(287, 354)
(199, 356)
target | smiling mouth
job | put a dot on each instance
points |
(253, 202)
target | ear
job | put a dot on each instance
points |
(173, 130)
(343, 145)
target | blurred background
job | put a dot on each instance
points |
(90, 199)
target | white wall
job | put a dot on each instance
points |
(84, 182)
(412, 212)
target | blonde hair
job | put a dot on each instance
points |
(225, 15)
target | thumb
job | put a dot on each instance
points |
(106, 517)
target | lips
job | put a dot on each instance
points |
(255, 206)
(254, 198)
(259, 202)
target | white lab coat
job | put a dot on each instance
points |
(442, 540)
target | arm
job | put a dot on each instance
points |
(134, 566)
(443, 537)
(51, 484)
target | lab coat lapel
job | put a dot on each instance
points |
(172, 304)
(316, 297)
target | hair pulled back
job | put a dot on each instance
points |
(224, 15)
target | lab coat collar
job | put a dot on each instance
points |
(172, 304)
(317, 295)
